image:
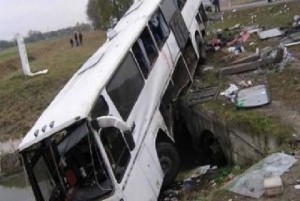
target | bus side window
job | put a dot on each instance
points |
(145, 51)
(125, 86)
(117, 151)
(159, 28)
(100, 108)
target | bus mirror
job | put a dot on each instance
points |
(110, 121)
(129, 139)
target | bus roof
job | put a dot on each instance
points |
(76, 99)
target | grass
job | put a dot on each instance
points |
(283, 86)
(251, 121)
(266, 16)
(23, 99)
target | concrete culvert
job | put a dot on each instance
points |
(211, 148)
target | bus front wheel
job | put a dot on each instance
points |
(169, 161)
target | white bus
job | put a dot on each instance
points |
(108, 134)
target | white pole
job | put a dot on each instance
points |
(24, 58)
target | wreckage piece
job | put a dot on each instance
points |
(240, 68)
(250, 183)
(202, 95)
(24, 59)
(252, 97)
(230, 92)
(268, 56)
(271, 33)
(250, 58)
(294, 37)
(292, 44)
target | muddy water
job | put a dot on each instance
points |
(14, 188)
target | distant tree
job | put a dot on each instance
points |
(34, 36)
(93, 13)
(102, 12)
(5, 44)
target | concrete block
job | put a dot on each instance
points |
(273, 186)
(240, 68)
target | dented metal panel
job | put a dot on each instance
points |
(253, 97)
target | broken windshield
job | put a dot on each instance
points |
(68, 166)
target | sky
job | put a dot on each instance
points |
(20, 16)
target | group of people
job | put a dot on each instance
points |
(78, 37)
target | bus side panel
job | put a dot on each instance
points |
(173, 47)
(137, 187)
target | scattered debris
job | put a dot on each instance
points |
(273, 186)
(189, 185)
(297, 187)
(291, 38)
(230, 92)
(250, 58)
(287, 58)
(296, 22)
(252, 97)
(271, 33)
(250, 183)
(193, 180)
(207, 68)
(245, 84)
(237, 26)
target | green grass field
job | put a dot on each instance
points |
(23, 99)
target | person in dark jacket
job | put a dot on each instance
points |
(217, 6)
(71, 42)
(80, 38)
(76, 39)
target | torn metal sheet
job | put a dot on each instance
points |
(271, 33)
(252, 97)
(250, 183)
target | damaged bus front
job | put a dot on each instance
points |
(69, 165)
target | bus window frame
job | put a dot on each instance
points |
(157, 51)
(113, 100)
(163, 42)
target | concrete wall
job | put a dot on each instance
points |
(238, 146)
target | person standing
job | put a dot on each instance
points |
(71, 42)
(217, 6)
(80, 38)
(76, 39)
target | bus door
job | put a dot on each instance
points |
(146, 178)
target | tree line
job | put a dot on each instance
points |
(102, 13)
(33, 35)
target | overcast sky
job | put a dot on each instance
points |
(20, 16)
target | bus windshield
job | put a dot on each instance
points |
(68, 166)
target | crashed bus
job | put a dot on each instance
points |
(108, 134)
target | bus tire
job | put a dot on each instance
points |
(169, 161)
(202, 50)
